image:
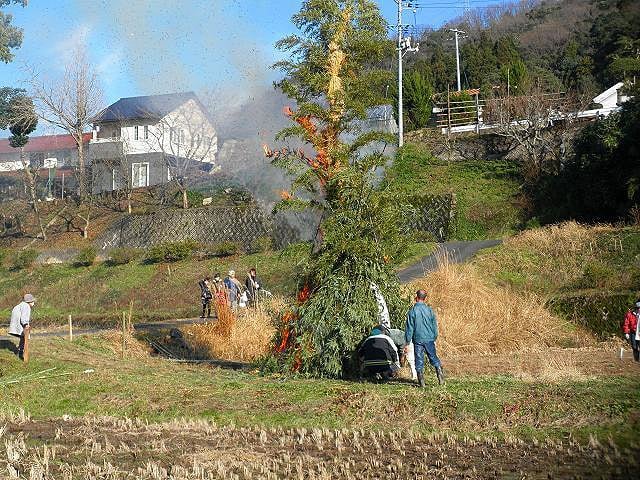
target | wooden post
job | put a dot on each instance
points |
(70, 329)
(130, 315)
(27, 334)
(477, 114)
(124, 327)
(448, 112)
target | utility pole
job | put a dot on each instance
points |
(404, 46)
(457, 32)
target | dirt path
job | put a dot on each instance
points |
(164, 325)
(122, 448)
(457, 252)
(549, 364)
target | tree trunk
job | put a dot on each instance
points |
(82, 174)
(30, 186)
(185, 199)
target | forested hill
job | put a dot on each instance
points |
(582, 45)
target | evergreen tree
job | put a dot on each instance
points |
(417, 96)
(331, 75)
(10, 35)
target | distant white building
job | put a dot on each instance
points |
(145, 141)
(612, 97)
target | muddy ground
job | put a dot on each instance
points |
(109, 448)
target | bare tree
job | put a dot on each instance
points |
(536, 123)
(186, 139)
(70, 104)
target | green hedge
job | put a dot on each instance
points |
(171, 251)
(85, 257)
(122, 256)
(600, 312)
(24, 259)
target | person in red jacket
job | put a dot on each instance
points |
(631, 331)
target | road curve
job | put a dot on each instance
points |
(457, 252)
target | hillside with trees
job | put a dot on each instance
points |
(584, 46)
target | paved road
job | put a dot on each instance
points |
(457, 252)
(60, 332)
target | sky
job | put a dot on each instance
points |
(144, 47)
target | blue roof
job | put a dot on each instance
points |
(147, 107)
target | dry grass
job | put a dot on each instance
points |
(476, 317)
(243, 337)
(555, 255)
(134, 348)
(117, 449)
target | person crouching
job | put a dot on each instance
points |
(379, 355)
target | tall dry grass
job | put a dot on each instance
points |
(245, 338)
(476, 317)
(555, 254)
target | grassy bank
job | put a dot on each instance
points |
(98, 294)
(589, 275)
(486, 190)
(157, 390)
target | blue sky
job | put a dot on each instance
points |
(156, 46)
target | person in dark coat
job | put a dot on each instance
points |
(379, 355)
(252, 285)
(206, 295)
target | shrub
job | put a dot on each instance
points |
(24, 259)
(85, 257)
(122, 256)
(261, 245)
(194, 198)
(171, 251)
(226, 249)
(3, 255)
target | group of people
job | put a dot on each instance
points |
(386, 348)
(631, 329)
(229, 291)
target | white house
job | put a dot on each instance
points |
(144, 141)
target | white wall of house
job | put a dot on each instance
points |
(185, 132)
(10, 166)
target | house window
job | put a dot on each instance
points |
(172, 135)
(115, 133)
(139, 175)
(146, 132)
(136, 133)
(168, 174)
(181, 138)
(113, 179)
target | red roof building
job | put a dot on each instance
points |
(60, 147)
(45, 143)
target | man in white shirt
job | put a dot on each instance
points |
(20, 319)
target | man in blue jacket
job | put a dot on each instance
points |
(422, 330)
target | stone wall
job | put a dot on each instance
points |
(209, 225)
(204, 225)
(433, 215)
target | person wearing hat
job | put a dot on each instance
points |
(631, 329)
(20, 318)
(234, 288)
(422, 330)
